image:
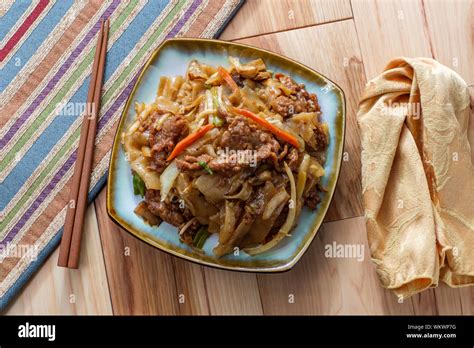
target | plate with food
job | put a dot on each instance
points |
(227, 155)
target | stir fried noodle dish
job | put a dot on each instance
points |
(235, 151)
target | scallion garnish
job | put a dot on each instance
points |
(138, 185)
(205, 166)
(200, 237)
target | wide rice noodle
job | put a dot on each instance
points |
(290, 220)
(167, 179)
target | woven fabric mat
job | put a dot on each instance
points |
(46, 57)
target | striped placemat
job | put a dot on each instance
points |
(46, 56)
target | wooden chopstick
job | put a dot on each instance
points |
(75, 249)
(72, 232)
(76, 180)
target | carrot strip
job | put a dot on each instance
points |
(191, 138)
(227, 78)
(272, 128)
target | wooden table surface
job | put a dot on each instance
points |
(350, 42)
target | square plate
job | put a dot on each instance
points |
(172, 58)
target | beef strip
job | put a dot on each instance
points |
(322, 140)
(241, 134)
(293, 159)
(256, 202)
(189, 162)
(163, 141)
(300, 101)
(312, 198)
(188, 235)
(238, 79)
(168, 211)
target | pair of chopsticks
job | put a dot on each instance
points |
(70, 247)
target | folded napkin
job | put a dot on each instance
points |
(417, 176)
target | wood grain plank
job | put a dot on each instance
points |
(232, 293)
(444, 300)
(451, 27)
(470, 134)
(257, 17)
(389, 29)
(454, 301)
(141, 278)
(60, 291)
(337, 56)
(191, 288)
(424, 303)
(327, 284)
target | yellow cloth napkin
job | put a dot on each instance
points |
(417, 176)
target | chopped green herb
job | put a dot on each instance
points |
(200, 237)
(138, 185)
(217, 121)
(198, 234)
(205, 166)
(202, 241)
